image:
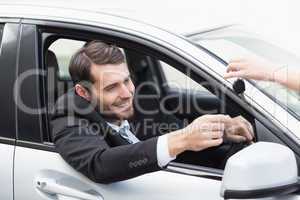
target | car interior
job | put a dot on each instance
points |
(151, 68)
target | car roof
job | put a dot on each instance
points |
(45, 10)
(66, 9)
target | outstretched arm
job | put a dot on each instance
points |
(261, 69)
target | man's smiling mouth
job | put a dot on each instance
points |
(124, 105)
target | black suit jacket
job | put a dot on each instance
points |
(92, 147)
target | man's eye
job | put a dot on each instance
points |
(109, 88)
(126, 80)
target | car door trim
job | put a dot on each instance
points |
(9, 141)
(193, 170)
(46, 146)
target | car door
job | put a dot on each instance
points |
(9, 35)
(41, 173)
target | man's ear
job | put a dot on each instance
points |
(83, 92)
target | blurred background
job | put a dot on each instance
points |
(277, 20)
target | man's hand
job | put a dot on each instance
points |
(238, 129)
(204, 132)
(208, 131)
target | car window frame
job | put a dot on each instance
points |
(45, 45)
(154, 66)
(9, 50)
(1, 34)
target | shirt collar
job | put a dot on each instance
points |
(117, 128)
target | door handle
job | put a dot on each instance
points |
(53, 188)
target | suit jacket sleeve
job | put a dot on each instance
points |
(91, 155)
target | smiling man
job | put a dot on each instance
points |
(94, 125)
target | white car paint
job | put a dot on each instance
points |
(6, 171)
(160, 185)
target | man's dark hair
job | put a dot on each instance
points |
(94, 52)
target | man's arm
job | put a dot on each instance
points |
(92, 156)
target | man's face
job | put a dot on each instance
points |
(113, 90)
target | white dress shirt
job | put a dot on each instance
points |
(162, 149)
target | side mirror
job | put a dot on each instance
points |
(260, 170)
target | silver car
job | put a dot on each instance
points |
(37, 42)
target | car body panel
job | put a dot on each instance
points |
(6, 171)
(157, 185)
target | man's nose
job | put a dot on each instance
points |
(125, 92)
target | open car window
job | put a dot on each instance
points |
(185, 106)
(175, 79)
(63, 50)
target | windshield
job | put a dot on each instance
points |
(233, 42)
